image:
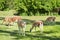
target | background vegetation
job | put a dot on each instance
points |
(31, 7)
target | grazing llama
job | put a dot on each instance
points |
(51, 19)
(37, 24)
(10, 20)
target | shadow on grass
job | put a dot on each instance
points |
(51, 23)
(45, 32)
(43, 37)
(28, 21)
(30, 36)
(1, 18)
(58, 23)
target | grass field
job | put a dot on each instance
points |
(50, 32)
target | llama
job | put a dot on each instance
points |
(51, 19)
(37, 24)
(11, 20)
(21, 27)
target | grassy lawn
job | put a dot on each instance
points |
(50, 32)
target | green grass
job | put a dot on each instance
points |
(50, 32)
(7, 13)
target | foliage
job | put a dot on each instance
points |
(30, 7)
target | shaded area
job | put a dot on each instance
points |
(44, 37)
(37, 36)
(28, 21)
(46, 32)
(45, 22)
(48, 23)
(4, 31)
(1, 18)
(31, 36)
(58, 23)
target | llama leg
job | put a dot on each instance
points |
(35, 28)
(11, 23)
(24, 30)
(41, 27)
(19, 30)
(3, 22)
(31, 28)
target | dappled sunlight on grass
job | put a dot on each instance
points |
(51, 32)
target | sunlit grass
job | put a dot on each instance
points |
(50, 32)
